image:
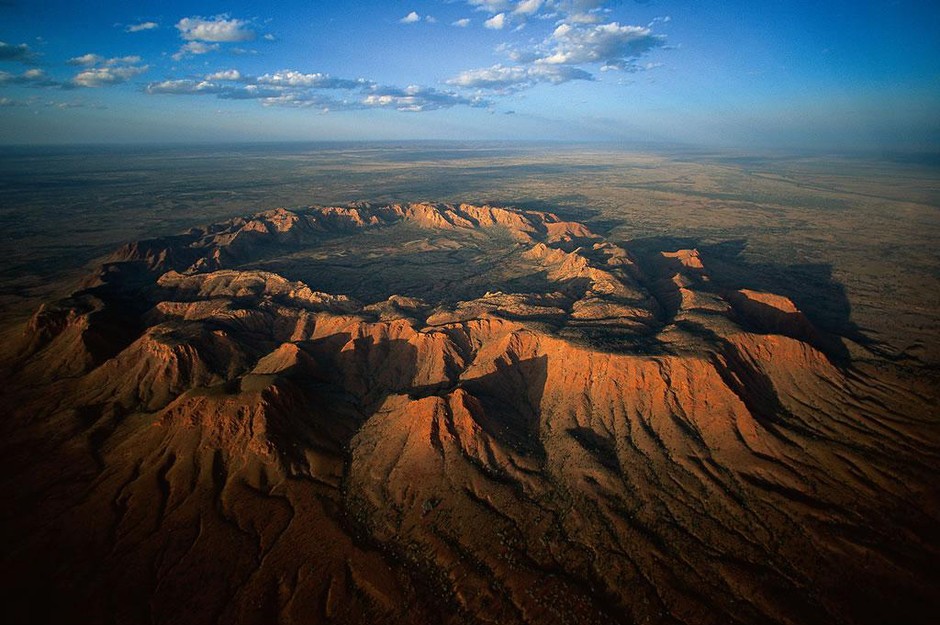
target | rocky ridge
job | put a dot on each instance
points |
(215, 442)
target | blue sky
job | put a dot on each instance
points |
(824, 75)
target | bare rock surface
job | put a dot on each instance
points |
(432, 413)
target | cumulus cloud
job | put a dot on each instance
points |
(415, 99)
(497, 22)
(85, 59)
(209, 87)
(292, 78)
(411, 18)
(578, 46)
(226, 74)
(572, 11)
(528, 7)
(96, 71)
(90, 59)
(107, 75)
(612, 44)
(508, 78)
(194, 48)
(317, 101)
(101, 72)
(218, 29)
(20, 53)
(183, 87)
(31, 77)
(491, 6)
(275, 83)
(136, 28)
(461, 23)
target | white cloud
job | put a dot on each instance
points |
(561, 57)
(411, 18)
(209, 87)
(293, 78)
(430, 19)
(496, 22)
(217, 29)
(491, 6)
(136, 28)
(108, 75)
(415, 99)
(571, 11)
(100, 71)
(307, 100)
(495, 77)
(123, 60)
(611, 44)
(292, 88)
(31, 77)
(183, 87)
(227, 74)
(461, 23)
(528, 7)
(194, 47)
(502, 78)
(85, 59)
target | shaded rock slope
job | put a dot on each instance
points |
(194, 438)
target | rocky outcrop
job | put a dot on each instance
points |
(616, 447)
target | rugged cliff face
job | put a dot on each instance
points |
(502, 418)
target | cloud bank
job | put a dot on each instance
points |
(293, 88)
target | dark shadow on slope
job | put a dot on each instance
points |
(810, 286)
(510, 400)
(602, 448)
(369, 371)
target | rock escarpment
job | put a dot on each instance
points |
(197, 438)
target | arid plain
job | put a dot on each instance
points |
(469, 383)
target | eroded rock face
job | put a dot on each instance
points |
(197, 438)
